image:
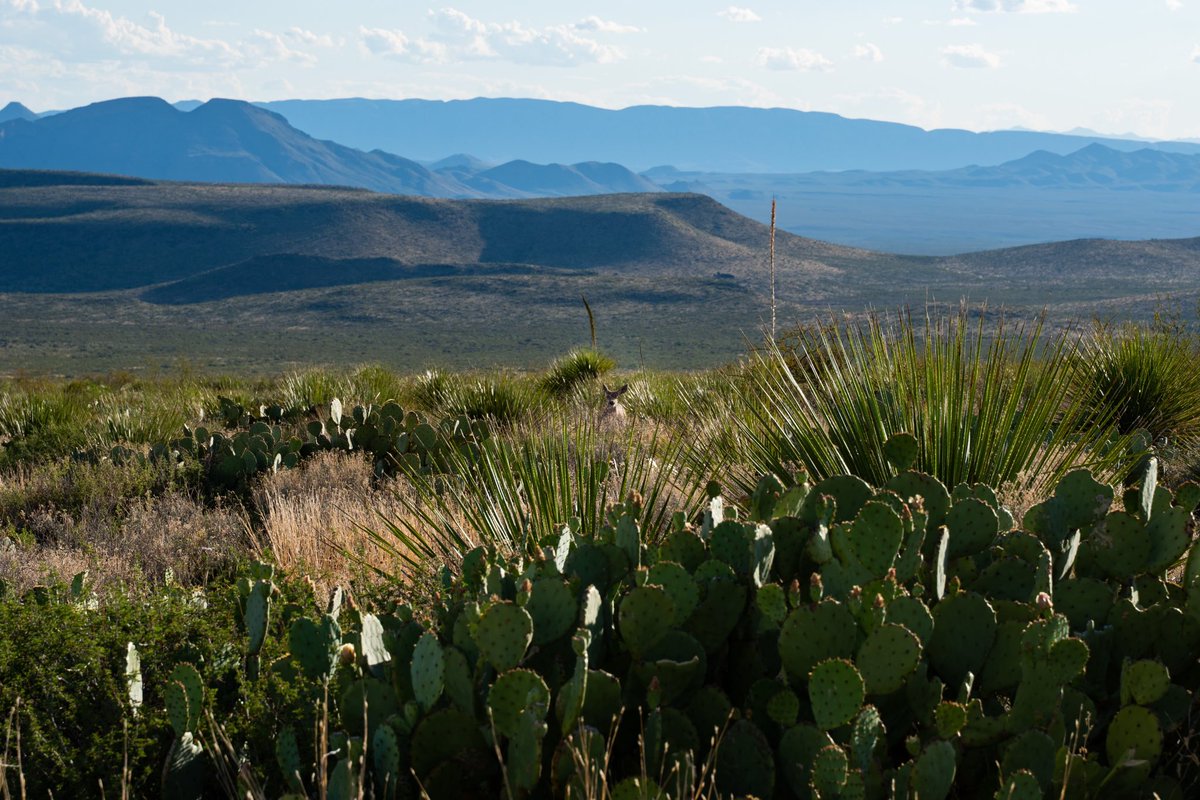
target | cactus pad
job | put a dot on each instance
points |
(1032, 752)
(1122, 545)
(887, 657)
(935, 498)
(684, 548)
(442, 736)
(709, 710)
(644, 617)
(730, 543)
(798, 750)
(836, 691)
(1084, 600)
(829, 770)
(973, 526)
(950, 718)
(679, 586)
(524, 754)
(933, 774)
(963, 633)
(257, 612)
(428, 670)
(385, 755)
(865, 735)
(553, 608)
(1134, 733)
(812, 634)
(875, 538)
(1021, 785)
(287, 755)
(745, 764)
(772, 602)
(514, 693)
(670, 737)
(901, 450)
(1144, 682)
(312, 645)
(783, 708)
(913, 614)
(718, 614)
(503, 635)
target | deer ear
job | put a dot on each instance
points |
(624, 388)
(604, 386)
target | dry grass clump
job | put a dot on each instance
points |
(158, 539)
(310, 518)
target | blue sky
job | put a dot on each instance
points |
(1115, 66)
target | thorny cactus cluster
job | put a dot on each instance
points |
(251, 444)
(839, 641)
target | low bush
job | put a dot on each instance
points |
(574, 370)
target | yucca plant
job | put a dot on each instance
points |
(574, 370)
(1148, 377)
(986, 404)
(503, 399)
(521, 489)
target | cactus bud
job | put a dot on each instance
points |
(855, 592)
(878, 602)
(1044, 602)
(816, 589)
(635, 499)
(794, 598)
(345, 654)
(891, 575)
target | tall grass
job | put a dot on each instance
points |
(986, 404)
(574, 370)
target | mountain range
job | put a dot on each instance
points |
(1119, 189)
(236, 142)
(724, 139)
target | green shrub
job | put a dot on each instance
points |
(986, 405)
(503, 399)
(1149, 378)
(574, 370)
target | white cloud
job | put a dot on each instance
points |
(599, 25)
(961, 22)
(1017, 6)
(712, 59)
(1174, 5)
(394, 44)
(301, 36)
(1196, 54)
(893, 20)
(465, 37)
(739, 14)
(868, 52)
(785, 58)
(969, 56)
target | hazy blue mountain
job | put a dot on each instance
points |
(230, 141)
(727, 139)
(219, 141)
(15, 110)
(556, 180)
(1096, 191)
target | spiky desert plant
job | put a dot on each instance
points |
(574, 370)
(1147, 376)
(985, 403)
(527, 486)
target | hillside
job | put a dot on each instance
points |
(722, 139)
(102, 272)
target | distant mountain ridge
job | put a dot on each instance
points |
(102, 272)
(720, 139)
(230, 141)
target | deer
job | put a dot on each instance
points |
(613, 412)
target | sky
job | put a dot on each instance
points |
(1114, 66)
